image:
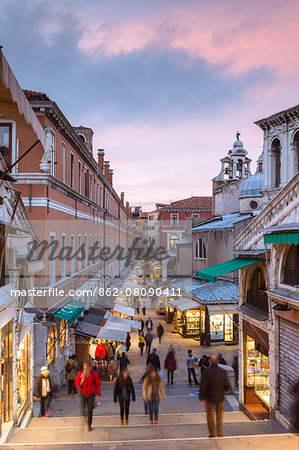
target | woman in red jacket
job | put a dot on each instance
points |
(88, 381)
(170, 364)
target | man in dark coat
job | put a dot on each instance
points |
(160, 332)
(214, 383)
(154, 360)
(123, 361)
(149, 324)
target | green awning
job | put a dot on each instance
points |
(70, 311)
(212, 272)
(282, 238)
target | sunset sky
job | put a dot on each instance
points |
(164, 84)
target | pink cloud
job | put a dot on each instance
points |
(240, 35)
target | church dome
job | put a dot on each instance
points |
(253, 185)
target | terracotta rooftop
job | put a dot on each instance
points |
(193, 203)
(33, 95)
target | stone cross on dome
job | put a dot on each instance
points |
(238, 135)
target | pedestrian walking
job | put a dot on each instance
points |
(88, 381)
(160, 332)
(141, 325)
(190, 359)
(149, 324)
(148, 368)
(148, 341)
(170, 364)
(141, 342)
(143, 308)
(203, 363)
(128, 341)
(137, 305)
(154, 360)
(71, 370)
(119, 350)
(43, 390)
(153, 392)
(123, 392)
(235, 366)
(214, 383)
(123, 361)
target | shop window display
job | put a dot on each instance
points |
(216, 326)
(193, 322)
(6, 373)
(63, 333)
(258, 372)
(51, 344)
(229, 329)
(23, 370)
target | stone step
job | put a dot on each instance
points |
(137, 433)
(246, 442)
(136, 420)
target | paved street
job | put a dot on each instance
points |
(182, 421)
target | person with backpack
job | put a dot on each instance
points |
(88, 381)
(154, 360)
(71, 370)
(123, 392)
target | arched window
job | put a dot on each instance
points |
(276, 154)
(82, 137)
(239, 168)
(296, 154)
(291, 269)
(173, 241)
(257, 296)
(200, 250)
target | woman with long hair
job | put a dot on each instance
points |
(153, 392)
(170, 364)
(123, 392)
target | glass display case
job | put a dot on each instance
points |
(216, 327)
(257, 365)
(193, 322)
(229, 329)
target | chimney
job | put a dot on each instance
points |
(128, 206)
(106, 169)
(110, 178)
(122, 197)
(101, 154)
